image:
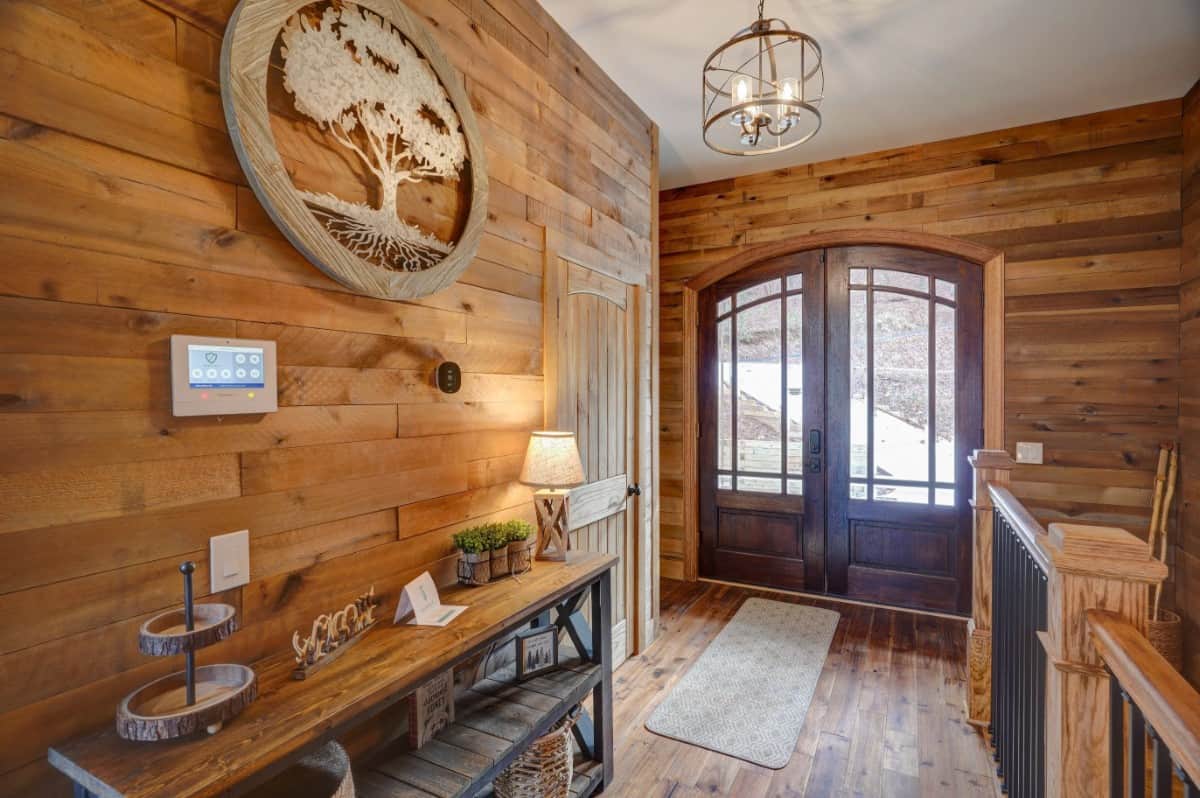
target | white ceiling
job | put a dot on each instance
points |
(897, 72)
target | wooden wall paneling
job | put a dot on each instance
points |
(1086, 211)
(1186, 566)
(126, 219)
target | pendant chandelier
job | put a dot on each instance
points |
(762, 89)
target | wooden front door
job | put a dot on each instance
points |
(840, 395)
(595, 371)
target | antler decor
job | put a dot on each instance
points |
(332, 634)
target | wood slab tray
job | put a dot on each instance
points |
(159, 710)
(166, 634)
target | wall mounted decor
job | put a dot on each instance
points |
(358, 139)
(187, 701)
(333, 633)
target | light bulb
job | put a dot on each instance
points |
(789, 89)
(741, 93)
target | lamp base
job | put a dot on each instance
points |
(553, 539)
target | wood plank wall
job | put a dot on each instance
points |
(1187, 550)
(125, 218)
(1087, 210)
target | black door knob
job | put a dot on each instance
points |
(634, 490)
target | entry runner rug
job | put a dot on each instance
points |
(748, 693)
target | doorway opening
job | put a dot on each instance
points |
(840, 392)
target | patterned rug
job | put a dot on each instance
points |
(748, 693)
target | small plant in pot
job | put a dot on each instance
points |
(475, 559)
(520, 545)
(498, 540)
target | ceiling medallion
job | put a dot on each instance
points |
(762, 89)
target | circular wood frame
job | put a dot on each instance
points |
(245, 59)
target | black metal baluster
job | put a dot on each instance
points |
(1162, 766)
(1135, 754)
(1116, 736)
(1040, 747)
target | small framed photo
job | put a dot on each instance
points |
(537, 651)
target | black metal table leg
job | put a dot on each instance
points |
(602, 704)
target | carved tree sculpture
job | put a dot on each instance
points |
(355, 75)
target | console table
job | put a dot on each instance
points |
(293, 718)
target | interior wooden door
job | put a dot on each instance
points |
(762, 495)
(595, 373)
(905, 397)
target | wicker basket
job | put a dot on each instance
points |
(545, 768)
(1166, 635)
(500, 562)
(474, 569)
(520, 555)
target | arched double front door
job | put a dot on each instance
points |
(840, 394)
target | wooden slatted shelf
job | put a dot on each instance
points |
(495, 721)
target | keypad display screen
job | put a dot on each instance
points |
(225, 366)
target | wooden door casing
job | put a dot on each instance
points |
(895, 546)
(595, 384)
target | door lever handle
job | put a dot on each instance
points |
(814, 441)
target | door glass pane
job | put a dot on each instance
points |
(858, 384)
(725, 395)
(945, 289)
(858, 277)
(724, 306)
(758, 484)
(724, 482)
(795, 282)
(795, 487)
(906, 280)
(858, 490)
(795, 384)
(944, 357)
(944, 497)
(760, 389)
(901, 388)
(901, 493)
(769, 288)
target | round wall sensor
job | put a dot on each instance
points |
(449, 377)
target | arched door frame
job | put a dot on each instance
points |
(989, 259)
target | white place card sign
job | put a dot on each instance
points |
(420, 597)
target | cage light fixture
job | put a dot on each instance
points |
(762, 89)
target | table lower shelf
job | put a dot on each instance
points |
(495, 722)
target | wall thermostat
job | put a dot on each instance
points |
(222, 376)
(449, 377)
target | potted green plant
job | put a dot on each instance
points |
(475, 558)
(498, 539)
(520, 545)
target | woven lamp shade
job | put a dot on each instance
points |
(552, 461)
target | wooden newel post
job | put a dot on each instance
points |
(992, 466)
(1090, 567)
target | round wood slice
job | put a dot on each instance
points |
(159, 710)
(166, 634)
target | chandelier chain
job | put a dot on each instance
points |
(761, 4)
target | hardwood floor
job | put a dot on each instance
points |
(887, 718)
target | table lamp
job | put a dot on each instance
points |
(552, 466)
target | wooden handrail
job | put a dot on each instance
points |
(1170, 705)
(1023, 523)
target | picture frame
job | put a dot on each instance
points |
(537, 651)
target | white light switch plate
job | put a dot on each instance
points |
(1029, 453)
(229, 560)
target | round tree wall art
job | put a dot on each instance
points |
(358, 139)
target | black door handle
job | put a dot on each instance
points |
(634, 490)
(814, 441)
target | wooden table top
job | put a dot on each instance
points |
(291, 716)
